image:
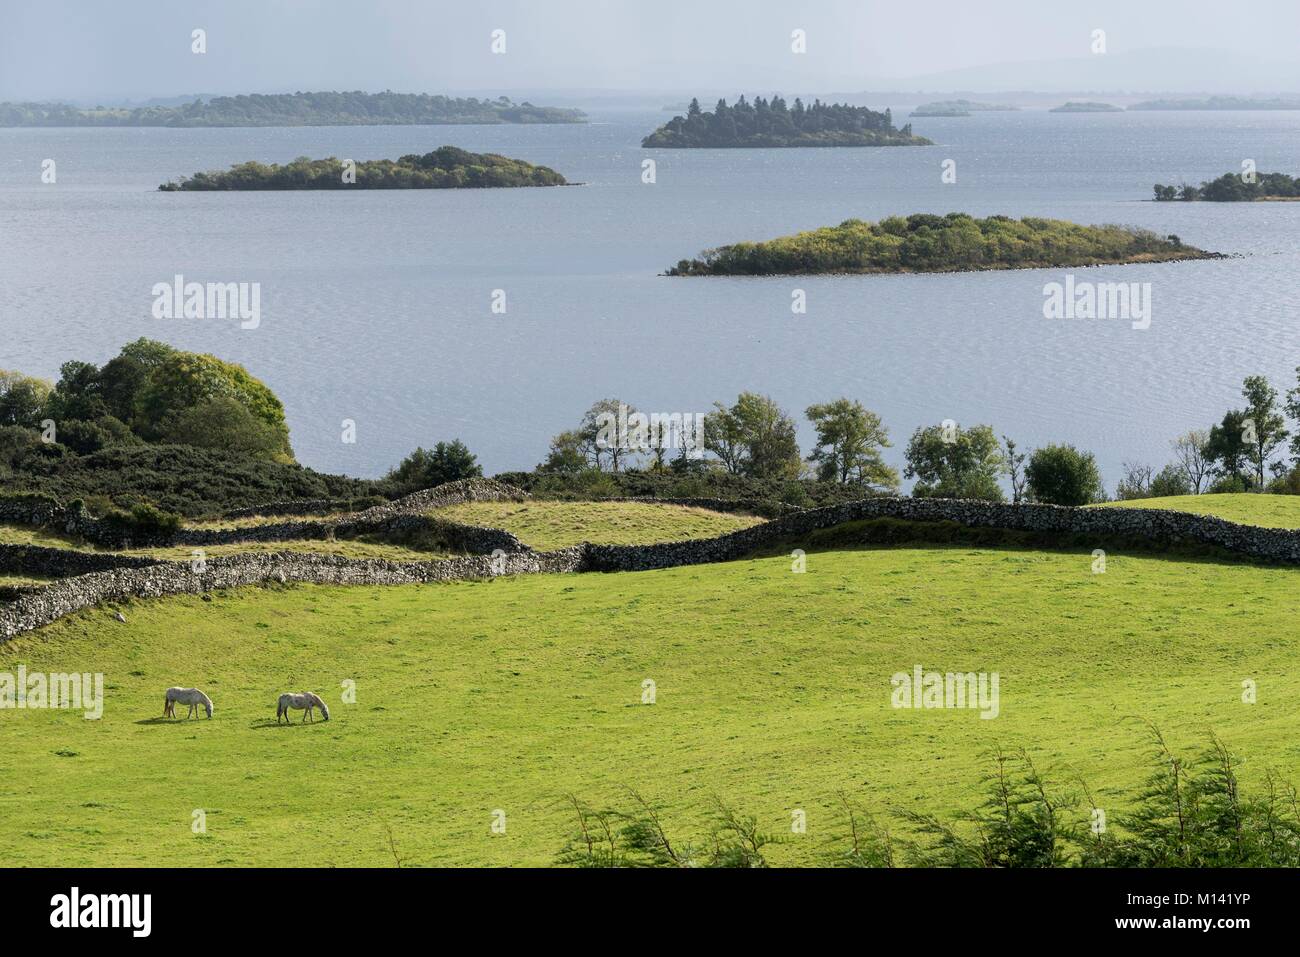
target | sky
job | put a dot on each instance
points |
(135, 49)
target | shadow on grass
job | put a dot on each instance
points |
(181, 721)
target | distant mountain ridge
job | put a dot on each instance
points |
(353, 108)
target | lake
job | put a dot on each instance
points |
(376, 305)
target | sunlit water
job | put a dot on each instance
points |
(376, 305)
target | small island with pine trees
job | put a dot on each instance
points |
(447, 167)
(924, 242)
(769, 123)
(948, 108)
(1233, 188)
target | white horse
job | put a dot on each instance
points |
(300, 702)
(190, 696)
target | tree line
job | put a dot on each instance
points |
(755, 439)
(1232, 188)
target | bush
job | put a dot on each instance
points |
(225, 423)
(1063, 475)
(143, 523)
(445, 462)
(1170, 481)
(85, 437)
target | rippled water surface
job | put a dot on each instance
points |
(376, 305)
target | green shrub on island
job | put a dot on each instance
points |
(445, 168)
(329, 108)
(769, 123)
(1232, 188)
(928, 243)
(1086, 107)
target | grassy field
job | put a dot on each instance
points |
(773, 693)
(1269, 511)
(368, 546)
(548, 524)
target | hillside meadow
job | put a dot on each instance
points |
(772, 693)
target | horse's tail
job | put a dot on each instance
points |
(167, 703)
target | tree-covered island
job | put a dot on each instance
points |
(961, 108)
(447, 167)
(924, 242)
(353, 108)
(767, 123)
(1075, 106)
(1233, 188)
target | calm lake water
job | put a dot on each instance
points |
(376, 305)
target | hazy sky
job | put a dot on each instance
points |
(140, 48)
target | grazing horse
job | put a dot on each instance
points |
(190, 696)
(300, 702)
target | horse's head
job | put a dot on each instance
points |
(324, 709)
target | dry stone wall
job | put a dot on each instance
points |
(145, 578)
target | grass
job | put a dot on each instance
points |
(365, 546)
(1268, 511)
(551, 524)
(773, 693)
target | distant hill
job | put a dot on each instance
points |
(1222, 103)
(296, 109)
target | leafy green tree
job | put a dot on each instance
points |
(601, 431)
(122, 378)
(77, 394)
(1293, 410)
(1170, 480)
(763, 434)
(1266, 429)
(725, 438)
(952, 462)
(566, 454)
(850, 440)
(445, 462)
(223, 422)
(187, 379)
(1228, 449)
(22, 399)
(1063, 475)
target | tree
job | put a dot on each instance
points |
(723, 437)
(122, 377)
(566, 454)
(187, 379)
(1014, 462)
(1266, 429)
(1171, 480)
(22, 399)
(77, 393)
(850, 439)
(446, 462)
(771, 449)
(1063, 475)
(605, 431)
(1227, 447)
(1293, 410)
(1136, 482)
(1191, 460)
(948, 461)
(222, 422)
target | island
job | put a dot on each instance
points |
(1232, 188)
(924, 242)
(296, 109)
(1222, 103)
(960, 108)
(766, 123)
(445, 168)
(1086, 107)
